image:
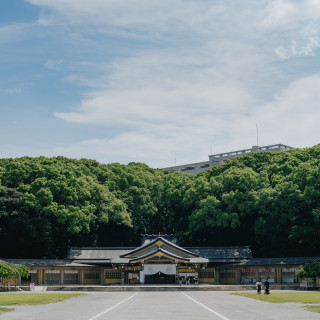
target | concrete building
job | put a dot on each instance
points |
(214, 159)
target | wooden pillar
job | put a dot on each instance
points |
(122, 276)
(81, 276)
(102, 277)
(280, 275)
(43, 276)
(39, 276)
(237, 275)
(216, 276)
(61, 276)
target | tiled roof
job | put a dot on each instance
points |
(276, 261)
(199, 260)
(170, 244)
(216, 254)
(162, 251)
(101, 253)
(46, 262)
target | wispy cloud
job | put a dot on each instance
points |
(310, 43)
(13, 90)
(186, 75)
(17, 87)
(289, 117)
(294, 112)
(15, 32)
(155, 88)
(52, 64)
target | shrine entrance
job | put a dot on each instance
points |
(158, 273)
(160, 278)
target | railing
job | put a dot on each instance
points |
(70, 281)
(309, 286)
(244, 151)
(52, 281)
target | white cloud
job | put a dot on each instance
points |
(293, 51)
(153, 145)
(162, 89)
(293, 113)
(291, 117)
(201, 73)
(295, 27)
(15, 32)
(52, 64)
(130, 14)
(310, 40)
(14, 90)
(288, 15)
(18, 87)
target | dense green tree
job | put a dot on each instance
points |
(12, 271)
(268, 200)
(309, 270)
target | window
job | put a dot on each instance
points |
(206, 274)
(227, 275)
(113, 274)
(91, 275)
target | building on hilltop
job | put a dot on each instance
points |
(214, 159)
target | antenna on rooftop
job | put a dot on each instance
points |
(175, 158)
(257, 135)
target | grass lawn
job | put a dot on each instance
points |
(12, 299)
(3, 310)
(312, 308)
(282, 297)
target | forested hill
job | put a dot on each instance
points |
(270, 201)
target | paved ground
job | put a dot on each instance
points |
(184, 305)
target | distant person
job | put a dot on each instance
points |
(266, 287)
(180, 281)
(259, 286)
(195, 281)
(188, 281)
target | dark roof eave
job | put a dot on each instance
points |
(154, 241)
(258, 262)
(154, 252)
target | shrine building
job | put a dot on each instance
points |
(160, 260)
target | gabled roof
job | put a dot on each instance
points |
(152, 246)
(195, 254)
(159, 252)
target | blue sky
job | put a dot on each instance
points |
(143, 81)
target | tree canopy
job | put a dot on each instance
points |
(268, 200)
(12, 271)
(309, 270)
